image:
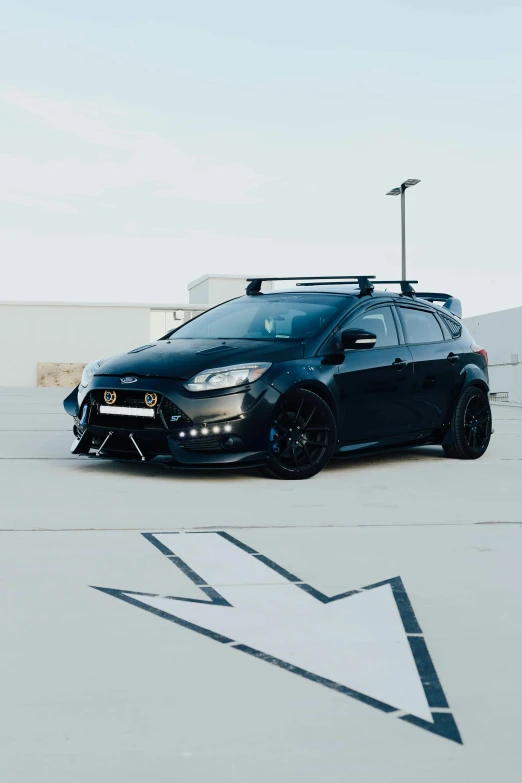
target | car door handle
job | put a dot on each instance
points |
(399, 364)
(452, 357)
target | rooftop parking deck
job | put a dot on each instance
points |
(94, 689)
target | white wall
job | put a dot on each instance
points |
(500, 334)
(35, 333)
(78, 333)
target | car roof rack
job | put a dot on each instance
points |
(254, 283)
(367, 285)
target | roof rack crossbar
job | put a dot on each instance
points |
(254, 283)
(335, 281)
(367, 285)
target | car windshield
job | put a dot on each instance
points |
(266, 317)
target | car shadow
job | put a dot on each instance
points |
(166, 472)
(391, 456)
(163, 471)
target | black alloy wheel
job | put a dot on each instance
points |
(302, 436)
(470, 425)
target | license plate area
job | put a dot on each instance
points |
(119, 410)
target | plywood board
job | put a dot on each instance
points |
(64, 375)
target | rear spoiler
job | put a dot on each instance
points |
(451, 303)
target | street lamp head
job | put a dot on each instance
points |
(408, 183)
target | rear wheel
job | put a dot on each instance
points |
(302, 436)
(470, 425)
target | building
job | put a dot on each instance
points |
(49, 343)
(500, 334)
(214, 289)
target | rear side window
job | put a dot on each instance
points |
(378, 321)
(420, 326)
(455, 329)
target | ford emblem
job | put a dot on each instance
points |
(129, 379)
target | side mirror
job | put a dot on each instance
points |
(357, 339)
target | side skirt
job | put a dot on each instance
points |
(347, 450)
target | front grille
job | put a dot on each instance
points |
(125, 399)
(203, 444)
(171, 412)
(168, 415)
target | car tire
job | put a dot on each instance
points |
(470, 425)
(302, 437)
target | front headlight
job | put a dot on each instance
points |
(89, 371)
(226, 377)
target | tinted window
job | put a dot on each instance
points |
(379, 321)
(266, 317)
(420, 326)
(454, 327)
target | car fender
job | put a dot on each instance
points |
(71, 403)
(309, 374)
(470, 375)
(473, 375)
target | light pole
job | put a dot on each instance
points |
(409, 183)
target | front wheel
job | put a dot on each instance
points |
(302, 436)
(470, 425)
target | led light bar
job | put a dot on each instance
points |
(115, 410)
(215, 430)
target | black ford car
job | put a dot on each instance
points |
(289, 379)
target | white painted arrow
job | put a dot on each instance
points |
(357, 644)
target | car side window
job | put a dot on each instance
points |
(420, 326)
(455, 329)
(378, 321)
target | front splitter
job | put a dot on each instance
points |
(187, 460)
(197, 459)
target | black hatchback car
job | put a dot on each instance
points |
(290, 379)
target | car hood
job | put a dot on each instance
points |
(183, 358)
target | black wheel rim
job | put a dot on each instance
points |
(299, 436)
(477, 423)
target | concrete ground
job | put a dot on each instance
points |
(127, 684)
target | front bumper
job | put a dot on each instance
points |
(227, 428)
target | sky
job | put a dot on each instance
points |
(143, 145)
